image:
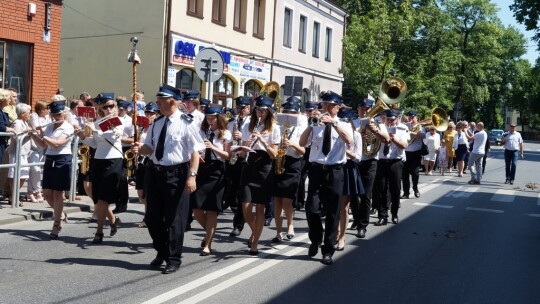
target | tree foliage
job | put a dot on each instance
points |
(527, 12)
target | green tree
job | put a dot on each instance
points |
(527, 12)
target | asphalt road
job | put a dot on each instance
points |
(458, 243)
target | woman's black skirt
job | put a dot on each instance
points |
(257, 179)
(461, 152)
(210, 187)
(57, 172)
(352, 184)
(286, 184)
(105, 177)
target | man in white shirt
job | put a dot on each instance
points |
(477, 153)
(513, 144)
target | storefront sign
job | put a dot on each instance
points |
(185, 50)
(249, 68)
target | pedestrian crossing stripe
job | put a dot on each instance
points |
(461, 191)
(433, 205)
(484, 210)
(503, 195)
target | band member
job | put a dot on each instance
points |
(327, 156)
(151, 111)
(56, 138)
(127, 140)
(390, 168)
(368, 164)
(261, 135)
(413, 155)
(106, 171)
(172, 169)
(191, 102)
(311, 110)
(207, 200)
(352, 183)
(234, 167)
(289, 161)
(203, 104)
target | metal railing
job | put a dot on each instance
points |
(16, 189)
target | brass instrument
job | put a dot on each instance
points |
(392, 90)
(130, 163)
(282, 150)
(371, 143)
(254, 142)
(84, 153)
(439, 120)
(415, 129)
(271, 89)
(234, 155)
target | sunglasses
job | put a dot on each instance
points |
(110, 107)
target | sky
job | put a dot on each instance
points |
(507, 18)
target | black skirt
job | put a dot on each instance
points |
(105, 177)
(210, 187)
(257, 179)
(286, 184)
(352, 184)
(57, 172)
(461, 152)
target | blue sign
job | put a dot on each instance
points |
(184, 48)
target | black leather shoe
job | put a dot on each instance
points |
(313, 249)
(235, 232)
(373, 211)
(267, 222)
(511, 182)
(157, 261)
(416, 194)
(361, 233)
(170, 268)
(507, 181)
(327, 259)
(381, 222)
(395, 219)
(354, 225)
(404, 196)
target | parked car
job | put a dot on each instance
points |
(495, 135)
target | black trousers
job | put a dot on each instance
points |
(388, 173)
(411, 167)
(368, 168)
(301, 195)
(232, 188)
(123, 192)
(167, 210)
(325, 185)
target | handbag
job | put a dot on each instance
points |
(424, 150)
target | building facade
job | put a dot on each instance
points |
(29, 48)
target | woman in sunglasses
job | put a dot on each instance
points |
(106, 170)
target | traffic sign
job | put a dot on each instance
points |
(209, 64)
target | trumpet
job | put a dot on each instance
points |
(315, 121)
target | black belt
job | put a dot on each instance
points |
(327, 167)
(510, 150)
(160, 168)
(391, 160)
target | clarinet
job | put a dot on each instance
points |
(253, 143)
(234, 155)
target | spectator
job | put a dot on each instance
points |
(21, 127)
(448, 137)
(433, 143)
(461, 146)
(513, 143)
(477, 152)
(40, 117)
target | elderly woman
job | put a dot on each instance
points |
(40, 117)
(20, 125)
(106, 170)
(56, 138)
(5, 97)
(433, 142)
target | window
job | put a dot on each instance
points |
(240, 13)
(287, 28)
(302, 31)
(219, 11)
(258, 18)
(15, 59)
(252, 88)
(195, 8)
(328, 45)
(223, 90)
(316, 32)
(187, 79)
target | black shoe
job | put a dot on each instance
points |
(416, 194)
(290, 236)
(382, 222)
(235, 232)
(203, 244)
(361, 233)
(511, 182)
(354, 225)
(267, 222)
(114, 227)
(119, 210)
(98, 238)
(276, 240)
(253, 252)
(170, 268)
(395, 219)
(327, 259)
(373, 211)
(507, 181)
(188, 227)
(158, 261)
(313, 249)
(404, 196)
(205, 253)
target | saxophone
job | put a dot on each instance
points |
(234, 155)
(280, 159)
(84, 153)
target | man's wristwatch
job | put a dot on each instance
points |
(192, 173)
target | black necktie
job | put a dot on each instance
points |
(327, 139)
(240, 121)
(386, 149)
(161, 141)
(208, 152)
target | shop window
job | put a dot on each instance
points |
(187, 79)
(15, 59)
(252, 88)
(223, 91)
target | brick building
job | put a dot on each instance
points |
(30, 47)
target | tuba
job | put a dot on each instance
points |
(371, 142)
(271, 89)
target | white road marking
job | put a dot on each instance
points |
(538, 200)
(503, 195)
(217, 274)
(433, 205)
(462, 191)
(533, 215)
(484, 210)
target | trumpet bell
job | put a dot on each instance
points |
(392, 90)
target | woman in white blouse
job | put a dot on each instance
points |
(56, 138)
(461, 146)
(207, 200)
(40, 117)
(433, 143)
(106, 170)
(21, 127)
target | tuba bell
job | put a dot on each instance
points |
(439, 120)
(271, 89)
(392, 90)
(371, 143)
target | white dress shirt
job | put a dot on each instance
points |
(65, 129)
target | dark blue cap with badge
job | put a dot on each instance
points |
(204, 102)
(213, 109)
(412, 113)
(151, 107)
(190, 94)
(103, 97)
(346, 114)
(167, 91)
(310, 105)
(331, 97)
(291, 106)
(242, 101)
(264, 102)
(392, 114)
(366, 102)
(123, 104)
(56, 107)
(294, 99)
